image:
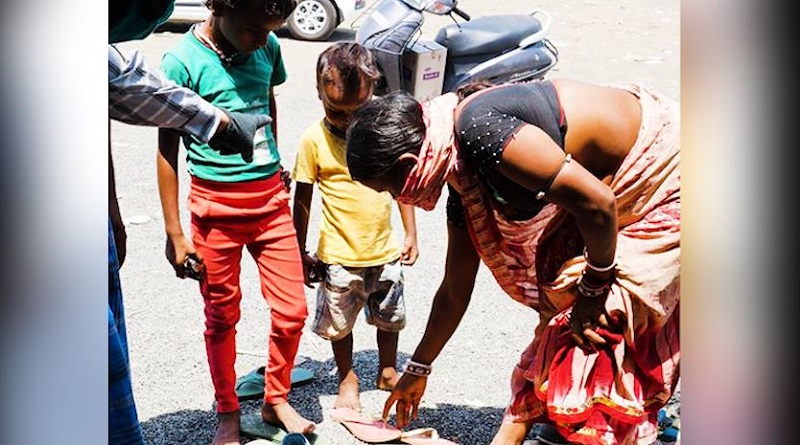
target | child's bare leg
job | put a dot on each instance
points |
(512, 433)
(387, 359)
(348, 380)
(228, 429)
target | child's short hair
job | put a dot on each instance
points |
(273, 8)
(352, 61)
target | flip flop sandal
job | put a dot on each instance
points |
(251, 385)
(252, 426)
(424, 436)
(372, 430)
(289, 439)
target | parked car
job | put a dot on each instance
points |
(311, 19)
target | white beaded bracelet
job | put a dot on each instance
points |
(589, 264)
(417, 369)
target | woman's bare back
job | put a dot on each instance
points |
(602, 124)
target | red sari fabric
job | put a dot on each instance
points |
(612, 396)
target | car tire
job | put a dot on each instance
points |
(313, 20)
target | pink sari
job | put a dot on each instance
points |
(613, 396)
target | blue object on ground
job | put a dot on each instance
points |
(667, 432)
(295, 439)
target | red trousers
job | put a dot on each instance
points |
(225, 218)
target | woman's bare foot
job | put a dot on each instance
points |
(511, 433)
(348, 393)
(228, 429)
(387, 378)
(283, 414)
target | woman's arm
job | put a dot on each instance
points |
(449, 305)
(453, 296)
(532, 159)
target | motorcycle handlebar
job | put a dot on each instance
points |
(461, 14)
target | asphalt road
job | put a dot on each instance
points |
(598, 40)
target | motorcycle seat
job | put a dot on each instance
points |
(485, 35)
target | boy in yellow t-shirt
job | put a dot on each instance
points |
(358, 253)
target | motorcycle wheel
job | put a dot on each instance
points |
(313, 20)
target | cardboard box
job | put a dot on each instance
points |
(423, 69)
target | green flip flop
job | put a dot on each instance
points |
(251, 385)
(252, 426)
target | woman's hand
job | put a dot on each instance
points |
(587, 314)
(407, 393)
(176, 251)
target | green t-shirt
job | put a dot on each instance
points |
(244, 87)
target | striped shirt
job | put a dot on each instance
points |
(140, 96)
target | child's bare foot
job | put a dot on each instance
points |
(228, 429)
(387, 378)
(348, 393)
(283, 414)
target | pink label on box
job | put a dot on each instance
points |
(428, 76)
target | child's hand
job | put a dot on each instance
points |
(312, 269)
(286, 177)
(176, 251)
(410, 251)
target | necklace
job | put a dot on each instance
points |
(334, 131)
(209, 42)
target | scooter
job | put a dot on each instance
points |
(498, 48)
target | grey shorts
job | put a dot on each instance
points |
(345, 290)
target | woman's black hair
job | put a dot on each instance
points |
(382, 130)
(273, 8)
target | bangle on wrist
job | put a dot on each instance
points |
(592, 291)
(596, 268)
(417, 369)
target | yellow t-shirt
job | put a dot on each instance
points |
(356, 227)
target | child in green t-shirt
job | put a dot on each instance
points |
(233, 60)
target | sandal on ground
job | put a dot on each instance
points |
(252, 426)
(372, 430)
(251, 385)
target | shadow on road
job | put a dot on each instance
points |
(190, 427)
(461, 423)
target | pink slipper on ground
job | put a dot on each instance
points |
(372, 430)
